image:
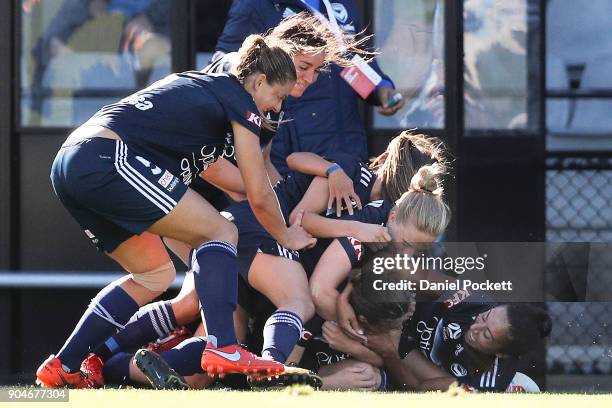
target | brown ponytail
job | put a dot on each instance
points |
(272, 60)
(405, 154)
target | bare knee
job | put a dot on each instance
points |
(302, 306)
(186, 308)
(226, 232)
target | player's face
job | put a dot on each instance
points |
(307, 68)
(408, 237)
(269, 98)
(489, 332)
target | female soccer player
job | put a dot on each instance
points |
(258, 251)
(314, 47)
(474, 342)
(124, 176)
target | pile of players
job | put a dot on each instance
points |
(270, 273)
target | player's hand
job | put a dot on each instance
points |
(347, 320)
(375, 235)
(337, 339)
(384, 93)
(341, 190)
(298, 238)
(384, 344)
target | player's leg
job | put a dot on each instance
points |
(284, 282)
(215, 267)
(156, 320)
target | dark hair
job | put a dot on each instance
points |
(273, 60)
(528, 326)
(379, 308)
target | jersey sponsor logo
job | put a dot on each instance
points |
(253, 118)
(328, 358)
(165, 179)
(459, 350)
(456, 298)
(453, 331)
(458, 370)
(340, 12)
(426, 333)
(235, 356)
(357, 247)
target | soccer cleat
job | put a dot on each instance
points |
(235, 359)
(51, 374)
(91, 368)
(158, 372)
(292, 375)
(175, 337)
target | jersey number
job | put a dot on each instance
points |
(140, 102)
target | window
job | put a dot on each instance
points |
(410, 37)
(79, 55)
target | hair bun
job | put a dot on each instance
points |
(426, 180)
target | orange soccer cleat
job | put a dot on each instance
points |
(91, 368)
(174, 338)
(51, 374)
(234, 359)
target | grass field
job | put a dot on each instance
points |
(298, 398)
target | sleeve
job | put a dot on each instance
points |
(241, 22)
(238, 105)
(498, 378)
(348, 162)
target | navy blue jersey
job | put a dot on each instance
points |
(224, 65)
(437, 330)
(375, 212)
(183, 122)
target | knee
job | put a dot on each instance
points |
(187, 308)
(158, 279)
(228, 233)
(306, 307)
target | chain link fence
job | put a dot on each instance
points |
(579, 220)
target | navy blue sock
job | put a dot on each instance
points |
(117, 369)
(281, 333)
(216, 282)
(108, 311)
(151, 322)
(185, 357)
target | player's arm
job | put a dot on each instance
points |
(224, 175)
(339, 341)
(416, 372)
(324, 227)
(331, 270)
(339, 185)
(274, 175)
(260, 194)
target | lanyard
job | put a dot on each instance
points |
(331, 19)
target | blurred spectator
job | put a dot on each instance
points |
(146, 34)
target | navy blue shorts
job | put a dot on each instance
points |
(253, 238)
(111, 191)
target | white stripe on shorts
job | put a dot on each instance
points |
(130, 175)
